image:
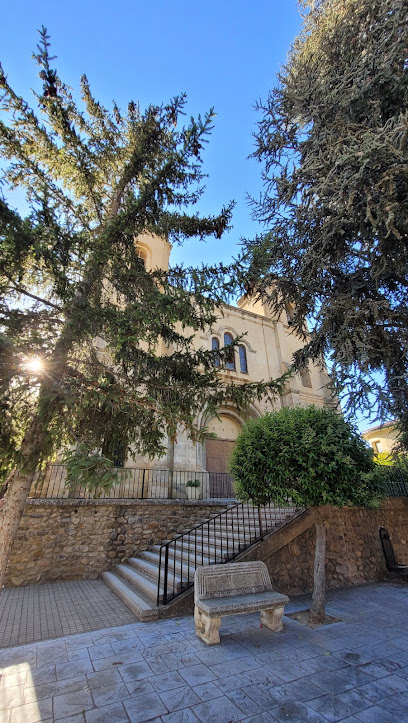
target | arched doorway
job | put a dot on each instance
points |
(218, 452)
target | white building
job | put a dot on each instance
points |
(264, 353)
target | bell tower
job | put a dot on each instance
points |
(153, 250)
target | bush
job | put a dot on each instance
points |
(311, 457)
(193, 483)
(308, 455)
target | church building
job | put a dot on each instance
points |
(264, 353)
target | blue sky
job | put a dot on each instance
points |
(222, 53)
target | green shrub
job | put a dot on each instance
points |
(94, 472)
(308, 455)
(193, 483)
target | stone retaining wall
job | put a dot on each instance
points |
(72, 539)
(354, 553)
(79, 539)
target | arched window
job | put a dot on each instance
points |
(215, 344)
(230, 357)
(305, 377)
(243, 359)
(142, 255)
(290, 313)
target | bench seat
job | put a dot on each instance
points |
(249, 603)
(232, 589)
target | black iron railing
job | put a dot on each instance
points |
(135, 483)
(217, 540)
(396, 488)
(395, 479)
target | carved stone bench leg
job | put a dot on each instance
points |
(272, 619)
(207, 628)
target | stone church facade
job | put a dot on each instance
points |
(265, 352)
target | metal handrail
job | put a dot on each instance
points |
(138, 483)
(238, 527)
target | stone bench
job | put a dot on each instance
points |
(231, 589)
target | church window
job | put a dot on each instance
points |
(230, 356)
(305, 377)
(290, 313)
(141, 255)
(243, 359)
(215, 344)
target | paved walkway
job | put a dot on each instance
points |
(354, 670)
(41, 612)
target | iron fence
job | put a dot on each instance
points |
(217, 540)
(395, 479)
(135, 483)
(138, 483)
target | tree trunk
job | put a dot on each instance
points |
(20, 480)
(10, 515)
(18, 487)
(317, 611)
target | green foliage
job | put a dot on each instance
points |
(91, 471)
(334, 147)
(385, 459)
(116, 340)
(193, 483)
(308, 455)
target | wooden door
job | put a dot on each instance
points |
(218, 454)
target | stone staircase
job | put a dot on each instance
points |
(216, 540)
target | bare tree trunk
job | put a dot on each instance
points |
(317, 611)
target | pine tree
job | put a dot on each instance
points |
(333, 142)
(70, 276)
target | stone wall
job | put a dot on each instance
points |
(71, 539)
(79, 539)
(354, 553)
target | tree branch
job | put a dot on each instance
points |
(20, 290)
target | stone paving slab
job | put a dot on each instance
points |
(42, 612)
(355, 671)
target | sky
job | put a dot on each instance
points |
(223, 53)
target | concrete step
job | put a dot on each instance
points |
(138, 581)
(224, 546)
(150, 570)
(138, 603)
(147, 568)
(153, 556)
(224, 535)
(195, 553)
(252, 515)
(233, 523)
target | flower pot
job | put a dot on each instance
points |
(193, 493)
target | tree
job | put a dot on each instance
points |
(71, 281)
(334, 147)
(311, 457)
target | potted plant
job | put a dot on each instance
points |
(191, 487)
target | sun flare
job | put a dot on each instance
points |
(35, 365)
